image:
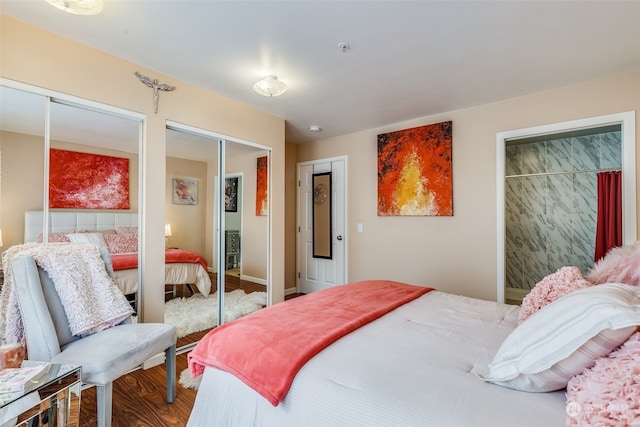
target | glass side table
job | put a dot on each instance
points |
(53, 401)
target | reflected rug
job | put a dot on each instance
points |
(199, 312)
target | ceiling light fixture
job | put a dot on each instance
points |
(78, 7)
(314, 128)
(270, 86)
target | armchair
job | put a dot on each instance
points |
(105, 355)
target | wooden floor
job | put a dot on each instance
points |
(140, 400)
(140, 397)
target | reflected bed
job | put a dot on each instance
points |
(182, 267)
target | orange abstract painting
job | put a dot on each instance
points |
(87, 181)
(414, 171)
(262, 186)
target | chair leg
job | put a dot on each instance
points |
(170, 360)
(104, 399)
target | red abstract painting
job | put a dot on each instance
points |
(88, 181)
(414, 171)
(262, 186)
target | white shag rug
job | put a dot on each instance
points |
(186, 381)
(199, 312)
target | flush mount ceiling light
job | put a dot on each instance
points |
(270, 86)
(78, 7)
(314, 128)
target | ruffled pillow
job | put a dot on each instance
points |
(121, 243)
(619, 265)
(549, 289)
(609, 392)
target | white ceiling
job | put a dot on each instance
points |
(406, 59)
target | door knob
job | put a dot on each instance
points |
(339, 237)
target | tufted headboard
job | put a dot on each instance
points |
(75, 221)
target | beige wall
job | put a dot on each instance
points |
(38, 58)
(22, 182)
(254, 228)
(455, 254)
(188, 222)
(291, 189)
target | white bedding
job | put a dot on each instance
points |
(127, 280)
(412, 367)
(174, 274)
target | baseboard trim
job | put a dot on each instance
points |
(289, 291)
(253, 279)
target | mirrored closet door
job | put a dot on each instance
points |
(69, 165)
(214, 187)
(22, 154)
(93, 186)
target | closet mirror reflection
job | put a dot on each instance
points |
(22, 136)
(216, 208)
(60, 158)
(93, 186)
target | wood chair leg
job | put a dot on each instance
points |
(104, 395)
(170, 360)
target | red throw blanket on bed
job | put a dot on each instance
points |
(268, 347)
(127, 261)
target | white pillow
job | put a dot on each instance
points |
(566, 337)
(93, 238)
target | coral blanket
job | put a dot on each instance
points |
(268, 347)
(127, 261)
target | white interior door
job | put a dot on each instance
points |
(319, 273)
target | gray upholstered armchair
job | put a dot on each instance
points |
(104, 356)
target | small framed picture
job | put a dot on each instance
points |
(185, 191)
(231, 194)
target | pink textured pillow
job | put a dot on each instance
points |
(549, 289)
(56, 237)
(608, 393)
(121, 243)
(619, 265)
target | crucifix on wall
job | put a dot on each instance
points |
(153, 84)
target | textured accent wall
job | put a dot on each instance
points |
(550, 204)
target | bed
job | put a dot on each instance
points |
(434, 360)
(181, 267)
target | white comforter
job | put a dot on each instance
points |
(178, 273)
(413, 367)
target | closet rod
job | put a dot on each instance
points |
(563, 173)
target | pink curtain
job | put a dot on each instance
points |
(609, 222)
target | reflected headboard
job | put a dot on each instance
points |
(75, 221)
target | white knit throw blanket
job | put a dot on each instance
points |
(90, 298)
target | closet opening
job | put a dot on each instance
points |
(548, 197)
(551, 201)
